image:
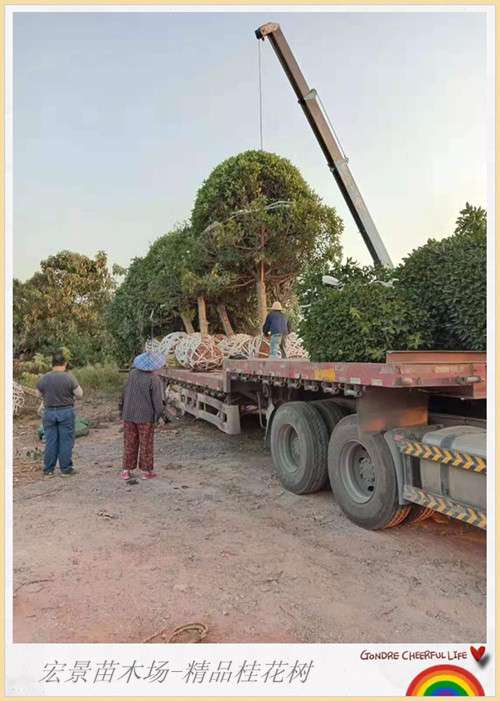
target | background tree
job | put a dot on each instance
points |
(153, 298)
(128, 315)
(256, 221)
(63, 305)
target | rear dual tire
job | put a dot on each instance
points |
(363, 477)
(359, 466)
(330, 412)
(299, 446)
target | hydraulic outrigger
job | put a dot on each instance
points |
(309, 101)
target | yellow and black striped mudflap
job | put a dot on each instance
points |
(453, 458)
(445, 506)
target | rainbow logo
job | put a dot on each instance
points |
(445, 680)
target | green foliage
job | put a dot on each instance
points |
(448, 279)
(437, 300)
(63, 305)
(38, 364)
(102, 378)
(362, 320)
(29, 379)
(220, 262)
(152, 295)
(238, 230)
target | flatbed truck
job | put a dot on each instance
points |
(396, 440)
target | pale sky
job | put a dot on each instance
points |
(119, 117)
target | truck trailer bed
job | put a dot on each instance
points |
(449, 373)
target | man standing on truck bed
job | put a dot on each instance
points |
(59, 390)
(278, 327)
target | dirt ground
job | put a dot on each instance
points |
(215, 539)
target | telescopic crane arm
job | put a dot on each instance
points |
(337, 163)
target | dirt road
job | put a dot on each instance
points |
(215, 539)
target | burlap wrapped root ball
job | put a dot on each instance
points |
(199, 353)
(235, 346)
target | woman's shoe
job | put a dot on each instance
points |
(125, 475)
(148, 474)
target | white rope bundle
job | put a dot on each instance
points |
(169, 342)
(294, 347)
(235, 346)
(257, 347)
(199, 353)
(18, 398)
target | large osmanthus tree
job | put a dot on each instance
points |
(256, 223)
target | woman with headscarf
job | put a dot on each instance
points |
(141, 407)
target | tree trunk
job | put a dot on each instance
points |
(261, 296)
(261, 284)
(186, 320)
(225, 321)
(202, 316)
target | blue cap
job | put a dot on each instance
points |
(149, 361)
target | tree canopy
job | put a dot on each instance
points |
(63, 305)
(256, 221)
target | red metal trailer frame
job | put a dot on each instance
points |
(456, 373)
(390, 394)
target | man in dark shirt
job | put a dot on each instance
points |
(59, 389)
(278, 327)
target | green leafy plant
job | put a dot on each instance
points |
(448, 279)
(361, 320)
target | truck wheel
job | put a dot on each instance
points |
(331, 413)
(363, 477)
(299, 446)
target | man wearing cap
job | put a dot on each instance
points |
(141, 407)
(278, 327)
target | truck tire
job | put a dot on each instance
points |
(363, 477)
(331, 413)
(299, 446)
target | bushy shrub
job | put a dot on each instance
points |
(447, 278)
(29, 379)
(102, 378)
(362, 320)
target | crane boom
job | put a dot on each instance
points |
(325, 136)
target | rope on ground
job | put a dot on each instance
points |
(194, 632)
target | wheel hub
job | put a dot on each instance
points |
(358, 472)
